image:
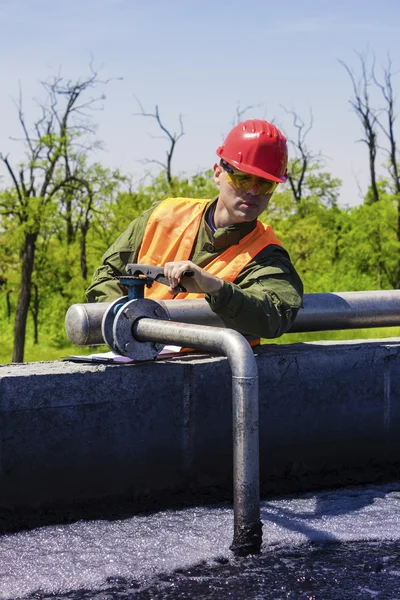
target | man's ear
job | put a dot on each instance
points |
(217, 172)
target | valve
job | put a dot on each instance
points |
(120, 316)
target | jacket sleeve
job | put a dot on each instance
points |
(264, 299)
(104, 288)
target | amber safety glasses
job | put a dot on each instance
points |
(245, 182)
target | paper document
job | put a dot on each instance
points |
(112, 357)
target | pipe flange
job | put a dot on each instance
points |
(123, 339)
(109, 318)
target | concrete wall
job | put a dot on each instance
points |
(157, 432)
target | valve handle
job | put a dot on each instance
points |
(154, 274)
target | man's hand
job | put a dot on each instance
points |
(201, 282)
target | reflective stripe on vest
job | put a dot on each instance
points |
(170, 234)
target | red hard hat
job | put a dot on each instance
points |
(258, 148)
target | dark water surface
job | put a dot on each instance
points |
(329, 545)
(329, 571)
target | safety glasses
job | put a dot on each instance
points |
(245, 182)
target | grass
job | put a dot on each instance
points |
(47, 349)
(346, 334)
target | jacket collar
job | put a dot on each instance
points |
(227, 236)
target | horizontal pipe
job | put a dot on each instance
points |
(321, 312)
(83, 321)
(348, 310)
(246, 487)
(196, 311)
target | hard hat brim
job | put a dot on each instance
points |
(251, 170)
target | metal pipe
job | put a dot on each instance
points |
(348, 310)
(246, 488)
(196, 311)
(321, 312)
(325, 311)
(83, 323)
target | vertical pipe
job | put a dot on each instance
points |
(246, 479)
(247, 535)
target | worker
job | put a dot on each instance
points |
(238, 264)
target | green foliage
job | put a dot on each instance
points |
(310, 229)
(336, 336)
(105, 208)
(333, 249)
(371, 238)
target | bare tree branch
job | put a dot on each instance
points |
(386, 89)
(240, 112)
(13, 176)
(303, 156)
(52, 145)
(171, 137)
(367, 115)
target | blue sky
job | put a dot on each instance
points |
(201, 59)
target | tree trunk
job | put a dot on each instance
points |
(70, 228)
(397, 283)
(84, 268)
(27, 260)
(372, 170)
(8, 300)
(35, 314)
(395, 172)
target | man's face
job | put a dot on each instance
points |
(234, 205)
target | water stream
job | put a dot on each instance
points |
(337, 544)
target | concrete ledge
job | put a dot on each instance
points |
(80, 434)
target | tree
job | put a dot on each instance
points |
(38, 183)
(372, 247)
(172, 138)
(386, 89)
(310, 228)
(89, 189)
(303, 159)
(240, 112)
(368, 116)
(307, 180)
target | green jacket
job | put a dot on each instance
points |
(263, 301)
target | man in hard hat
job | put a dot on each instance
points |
(238, 263)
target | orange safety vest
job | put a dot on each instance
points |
(170, 234)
